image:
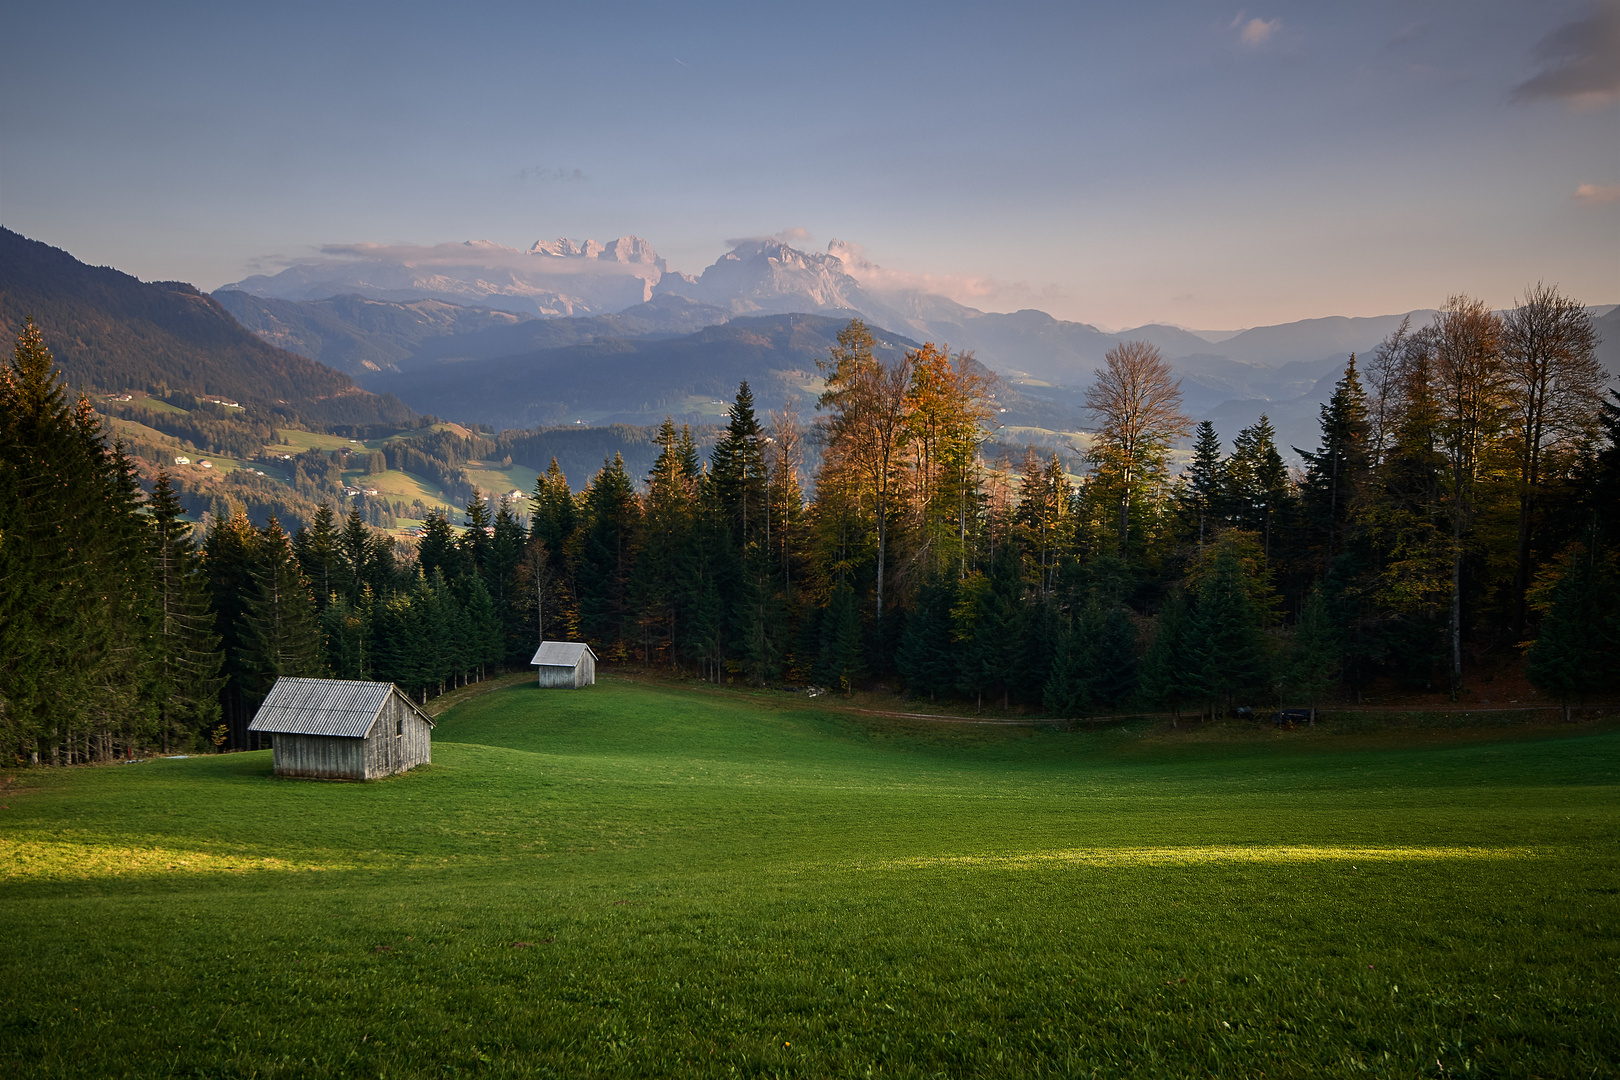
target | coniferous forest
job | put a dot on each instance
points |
(1459, 512)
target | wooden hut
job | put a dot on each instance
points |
(337, 729)
(565, 663)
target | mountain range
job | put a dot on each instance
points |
(650, 335)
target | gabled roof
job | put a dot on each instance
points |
(561, 653)
(339, 707)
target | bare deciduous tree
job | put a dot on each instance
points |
(1549, 352)
(1139, 404)
(1472, 390)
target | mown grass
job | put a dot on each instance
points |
(644, 879)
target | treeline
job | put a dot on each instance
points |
(1460, 502)
(209, 427)
(1461, 505)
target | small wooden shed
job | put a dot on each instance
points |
(565, 663)
(339, 729)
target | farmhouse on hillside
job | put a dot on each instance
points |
(565, 663)
(338, 729)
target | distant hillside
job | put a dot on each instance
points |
(360, 334)
(632, 380)
(357, 334)
(111, 332)
(692, 378)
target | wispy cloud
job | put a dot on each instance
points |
(546, 174)
(1254, 32)
(969, 289)
(795, 234)
(1597, 194)
(1580, 61)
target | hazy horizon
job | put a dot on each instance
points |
(1193, 164)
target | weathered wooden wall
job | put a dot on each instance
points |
(329, 757)
(399, 740)
(581, 674)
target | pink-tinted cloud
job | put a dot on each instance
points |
(1254, 32)
(971, 289)
(1597, 194)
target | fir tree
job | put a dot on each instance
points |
(1164, 680)
(319, 554)
(185, 678)
(436, 550)
(1577, 652)
(280, 631)
(1114, 658)
(1311, 662)
(1204, 481)
(606, 559)
(1337, 473)
(737, 466)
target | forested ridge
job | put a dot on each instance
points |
(1461, 505)
(113, 332)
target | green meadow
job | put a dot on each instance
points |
(647, 879)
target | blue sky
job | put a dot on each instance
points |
(1205, 164)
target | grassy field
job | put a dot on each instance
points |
(648, 879)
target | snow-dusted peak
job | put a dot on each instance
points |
(562, 247)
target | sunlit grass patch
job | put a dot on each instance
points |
(24, 858)
(1212, 855)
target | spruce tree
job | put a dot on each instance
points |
(606, 560)
(1116, 666)
(501, 584)
(186, 674)
(436, 550)
(1164, 680)
(281, 634)
(1204, 482)
(1577, 651)
(1338, 472)
(319, 554)
(1225, 651)
(1311, 662)
(738, 469)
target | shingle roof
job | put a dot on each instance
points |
(561, 653)
(323, 707)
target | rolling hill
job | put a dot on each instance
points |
(112, 332)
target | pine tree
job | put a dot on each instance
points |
(1311, 661)
(606, 560)
(1577, 652)
(506, 545)
(1204, 481)
(1225, 652)
(1067, 692)
(1114, 656)
(737, 467)
(926, 658)
(1164, 679)
(280, 630)
(71, 567)
(437, 549)
(1258, 492)
(319, 554)
(842, 657)
(1337, 473)
(474, 542)
(186, 674)
(556, 514)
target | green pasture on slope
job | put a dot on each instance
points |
(645, 879)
